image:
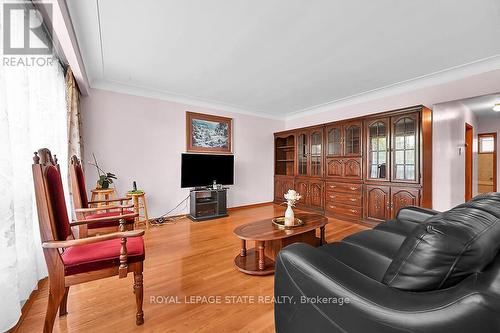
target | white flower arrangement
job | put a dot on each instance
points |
(292, 197)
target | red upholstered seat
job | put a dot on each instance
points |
(105, 254)
(108, 223)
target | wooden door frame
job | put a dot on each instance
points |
(494, 135)
(469, 174)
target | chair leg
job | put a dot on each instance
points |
(55, 296)
(64, 303)
(138, 290)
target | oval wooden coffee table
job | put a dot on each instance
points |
(269, 240)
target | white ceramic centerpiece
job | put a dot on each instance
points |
(291, 198)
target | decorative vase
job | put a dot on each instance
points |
(104, 185)
(289, 216)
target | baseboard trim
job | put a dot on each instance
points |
(261, 204)
(230, 209)
(27, 305)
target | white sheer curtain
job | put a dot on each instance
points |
(32, 116)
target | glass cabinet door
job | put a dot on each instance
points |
(378, 148)
(316, 156)
(405, 148)
(334, 141)
(352, 139)
(302, 151)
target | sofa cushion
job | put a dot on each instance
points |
(448, 247)
(402, 227)
(108, 223)
(361, 259)
(382, 242)
(94, 256)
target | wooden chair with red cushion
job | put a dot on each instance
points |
(73, 261)
(86, 209)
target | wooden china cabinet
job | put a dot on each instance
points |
(309, 174)
(362, 169)
(284, 164)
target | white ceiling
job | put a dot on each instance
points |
(279, 57)
(482, 106)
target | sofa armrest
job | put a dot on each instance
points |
(310, 287)
(415, 214)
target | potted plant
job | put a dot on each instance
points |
(105, 178)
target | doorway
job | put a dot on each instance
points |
(487, 163)
(469, 137)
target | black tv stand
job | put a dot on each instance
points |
(207, 204)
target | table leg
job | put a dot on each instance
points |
(243, 252)
(322, 236)
(262, 263)
(146, 217)
(136, 208)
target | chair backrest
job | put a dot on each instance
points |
(51, 205)
(78, 191)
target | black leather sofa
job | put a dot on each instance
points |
(424, 271)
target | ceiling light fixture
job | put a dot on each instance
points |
(496, 107)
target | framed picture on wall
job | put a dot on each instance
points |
(207, 133)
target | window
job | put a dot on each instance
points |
(33, 115)
(486, 144)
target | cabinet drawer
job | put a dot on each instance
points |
(344, 198)
(337, 209)
(344, 188)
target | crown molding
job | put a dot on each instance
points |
(118, 87)
(448, 75)
(451, 74)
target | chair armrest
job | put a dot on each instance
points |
(90, 240)
(96, 209)
(318, 286)
(104, 219)
(110, 200)
(415, 214)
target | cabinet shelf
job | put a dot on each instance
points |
(284, 155)
(199, 203)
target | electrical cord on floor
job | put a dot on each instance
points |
(163, 219)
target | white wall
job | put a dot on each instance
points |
(142, 139)
(448, 163)
(491, 124)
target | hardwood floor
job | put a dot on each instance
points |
(182, 260)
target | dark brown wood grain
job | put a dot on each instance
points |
(348, 171)
(269, 240)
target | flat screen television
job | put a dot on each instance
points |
(202, 169)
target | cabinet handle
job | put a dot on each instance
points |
(332, 197)
(353, 210)
(333, 206)
(352, 199)
(353, 188)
